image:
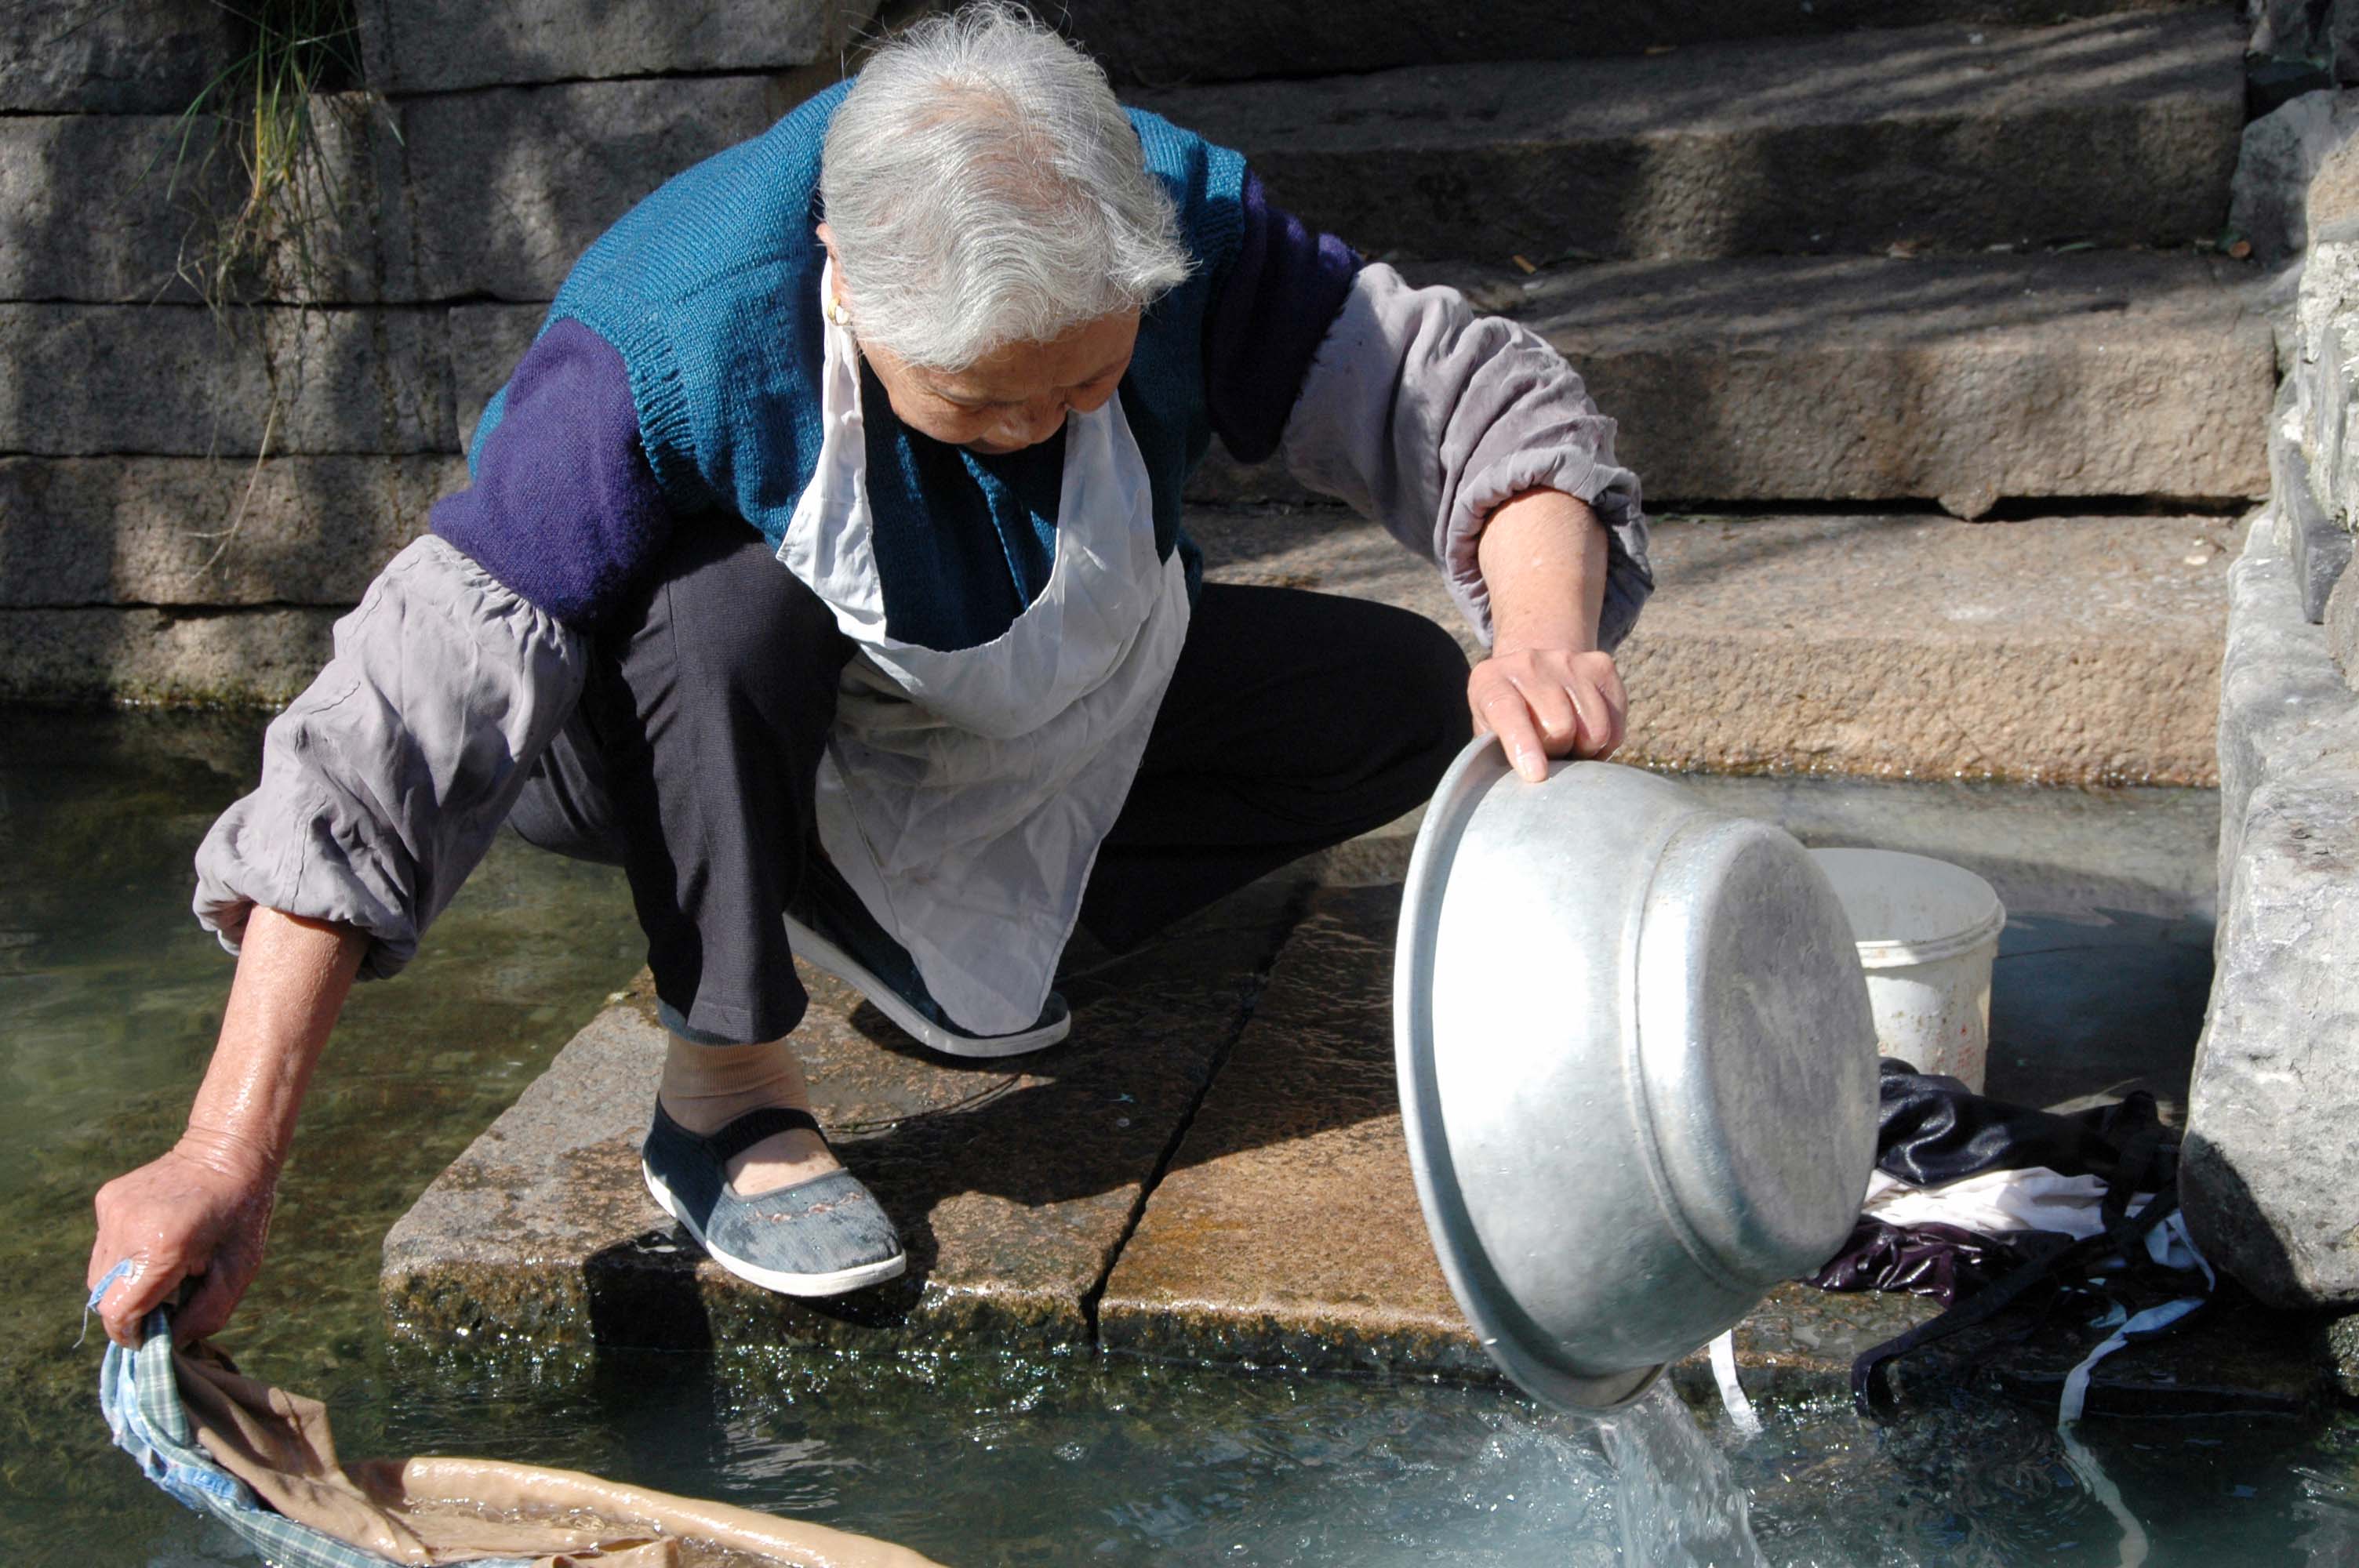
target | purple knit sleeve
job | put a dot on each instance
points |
(564, 511)
(1269, 316)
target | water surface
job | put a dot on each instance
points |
(109, 998)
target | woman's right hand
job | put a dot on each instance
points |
(203, 1212)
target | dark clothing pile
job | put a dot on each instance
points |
(1990, 1202)
(1932, 1130)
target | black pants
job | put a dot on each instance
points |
(1294, 720)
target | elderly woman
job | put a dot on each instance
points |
(822, 567)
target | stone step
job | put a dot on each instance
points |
(1146, 42)
(1969, 380)
(2063, 650)
(1844, 144)
(1966, 380)
(2114, 130)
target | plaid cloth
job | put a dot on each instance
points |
(141, 1396)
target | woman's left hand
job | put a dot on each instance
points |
(1547, 702)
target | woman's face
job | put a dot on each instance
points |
(1015, 396)
(1019, 394)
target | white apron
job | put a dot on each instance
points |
(964, 794)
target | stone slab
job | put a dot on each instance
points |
(2342, 628)
(208, 531)
(103, 57)
(521, 180)
(166, 380)
(1014, 1183)
(172, 188)
(2118, 130)
(243, 659)
(1969, 382)
(2282, 700)
(1138, 40)
(2309, 441)
(2281, 156)
(1286, 1229)
(2316, 414)
(57, 243)
(2273, 1136)
(2332, 199)
(2273, 1117)
(494, 193)
(1286, 1232)
(2318, 547)
(2062, 650)
(436, 46)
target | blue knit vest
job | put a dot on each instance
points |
(708, 289)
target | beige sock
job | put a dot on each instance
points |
(705, 1088)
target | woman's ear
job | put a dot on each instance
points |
(843, 301)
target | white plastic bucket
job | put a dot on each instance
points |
(1927, 933)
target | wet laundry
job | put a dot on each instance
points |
(1937, 1260)
(1999, 1203)
(1981, 1204)
(262, 1462)
(1933, 1129)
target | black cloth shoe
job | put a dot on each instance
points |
(828, 927)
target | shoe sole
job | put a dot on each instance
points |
(821, 953)
(834, 1283)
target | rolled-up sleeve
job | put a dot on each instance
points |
(1424, 416)
(384, 783)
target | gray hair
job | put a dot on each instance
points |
(984, 188)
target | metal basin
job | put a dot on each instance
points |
(1637, 1067)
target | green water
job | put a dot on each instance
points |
(109, 995)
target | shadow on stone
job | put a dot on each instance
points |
(2229, 1222)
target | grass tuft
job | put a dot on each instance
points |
(262, 114)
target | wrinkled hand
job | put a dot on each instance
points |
(1549, 702)
(200, 1211)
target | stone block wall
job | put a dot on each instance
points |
(188, 497)
(2272, 1153)
(101, 57)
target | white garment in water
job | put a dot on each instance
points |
(965, 793)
